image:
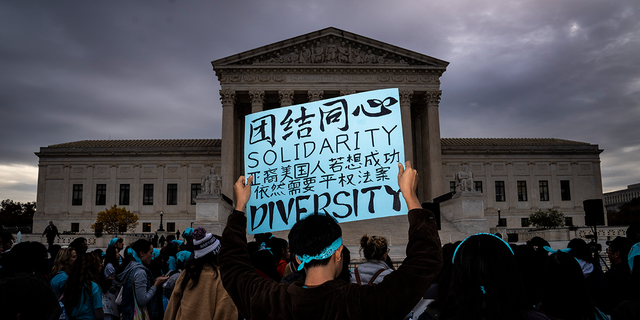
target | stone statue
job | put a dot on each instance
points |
(464, 180)
(332, 52)
(344, 53)
(305, 57)
(318, 53)
(211, 183)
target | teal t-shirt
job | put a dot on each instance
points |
(58, 281)
(84, 308)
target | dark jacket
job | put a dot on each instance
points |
(615, 287)
(393, 298)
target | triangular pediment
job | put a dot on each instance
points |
(330, 47)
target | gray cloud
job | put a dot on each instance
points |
(141, 70)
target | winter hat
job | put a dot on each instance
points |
(187, 232)
(204, 243)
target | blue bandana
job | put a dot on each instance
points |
(156, 253)
(178, 242)
(113, 242)
(134, 255)
(182, 256)
(477, 234)
(635, 251)
(187, 232)
(326, 253)
(548, 249)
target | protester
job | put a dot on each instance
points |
(80, 244)
(26, 257)
(61, 268)
(7, 242)
(198, 293)
(376, 251)
(139, 287)
(109, 292)
(630, 309)
(317, 242)
(615, 282)
(485, 283)
(564, 290)
(27, 297)
(592, 273)
(51, 232)
(82, 294)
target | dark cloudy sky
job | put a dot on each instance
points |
(75, 70)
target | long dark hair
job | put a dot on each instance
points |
(84, 271)
(564, 290)
(141, 245)
(193, 268)
(485, 280)
(111, 256)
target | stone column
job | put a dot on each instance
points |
(228, 152)
(407, 133)
(113, 190)
(434, 157)
(86, 207)
(286, 97)
(257, 100)
(315, 95)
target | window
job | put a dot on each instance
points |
(478, 186)
(76, 200)
(147, 195)
(522, 190)
(124, 194)
(544, 190)
(524, 222)
(452, 186)
(568, 221)
(146, 227)
(500, 197)
(172, 194)
(565, 192)
(171, 227)
(122, 228)
(195, 191)
(101, 194)
(75, 227)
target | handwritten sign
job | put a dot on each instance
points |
(337, 157)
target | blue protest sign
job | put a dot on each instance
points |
(336, 156)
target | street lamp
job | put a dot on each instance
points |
(161, 228)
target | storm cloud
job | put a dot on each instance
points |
(141, 70)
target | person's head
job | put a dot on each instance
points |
(7, 241)
(111, 256)
(317, 242)
(280, 248)
(80, 244)
(19, 295)
(485, 279)
(374, 247)
(618, 250)
(580, 249)
(538, 244)
(64, 260)
(564, 290)
(26, 257)
(140, 251)
(206, 247)
(50, 223)
(84, 270)
(117, 243)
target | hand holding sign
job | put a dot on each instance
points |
(408, 183)
(242, 192)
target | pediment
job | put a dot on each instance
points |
(330, 47)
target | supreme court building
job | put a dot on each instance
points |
(518, 176)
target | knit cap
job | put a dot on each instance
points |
(204, 243)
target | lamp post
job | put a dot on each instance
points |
(161, 227)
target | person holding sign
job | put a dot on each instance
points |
(317, 242)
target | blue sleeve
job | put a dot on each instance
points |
(96, 300)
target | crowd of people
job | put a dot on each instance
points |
(307, 276)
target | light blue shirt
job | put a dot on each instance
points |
(84, 308)
(58, 281)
